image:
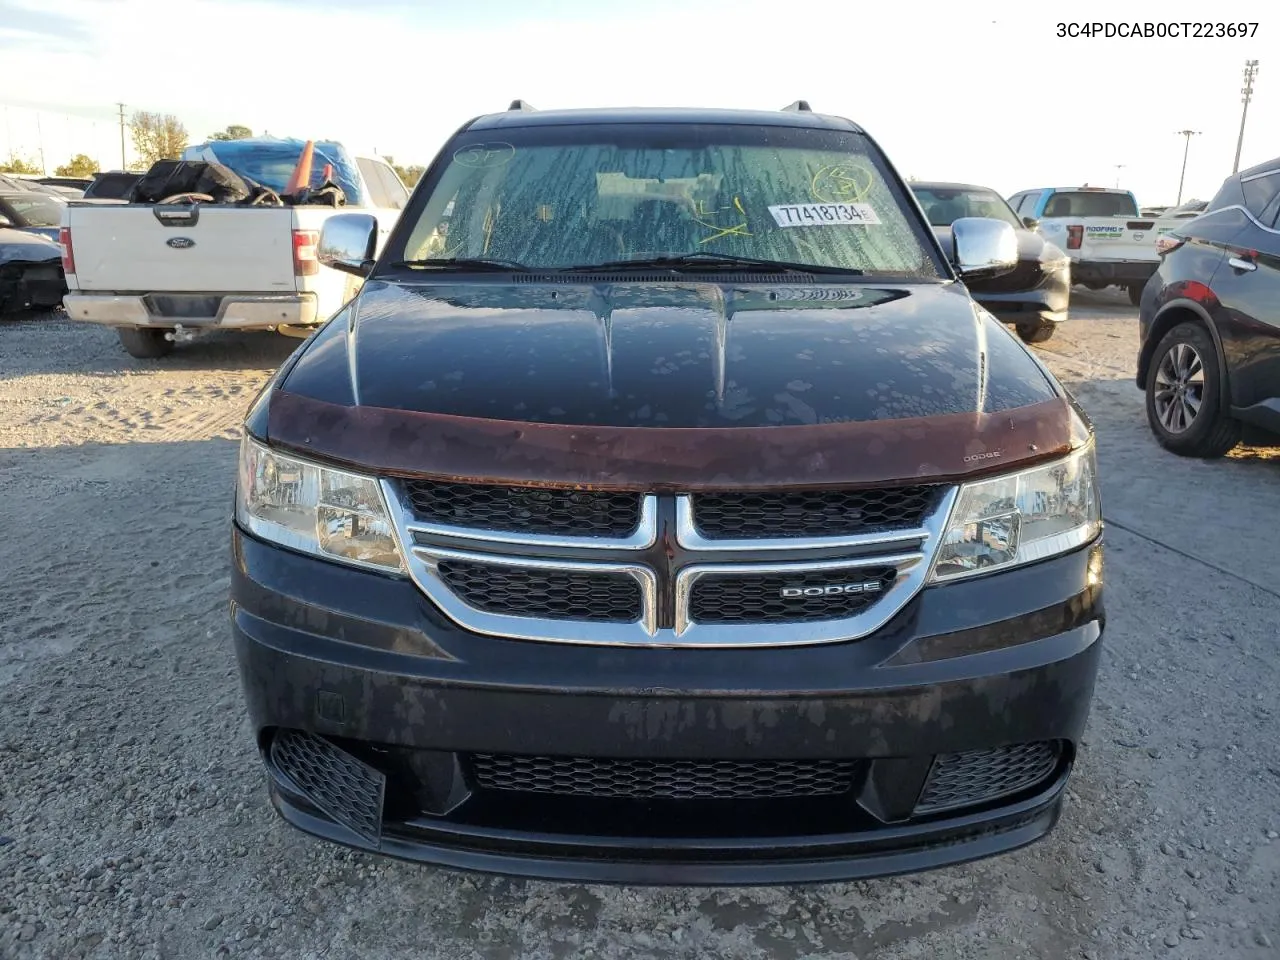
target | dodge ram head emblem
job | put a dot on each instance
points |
(832, 590)
(180, 243)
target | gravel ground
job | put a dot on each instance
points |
(134, 821)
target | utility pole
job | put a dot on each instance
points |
(1246, 94)
(123, 163)
(1185, 150)
(44, 171)
(1119, 167)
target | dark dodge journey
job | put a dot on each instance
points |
(664, 510)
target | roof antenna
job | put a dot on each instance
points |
(801, 106)
(520, 105)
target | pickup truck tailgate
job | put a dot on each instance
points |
(196, 248)
(1104, 238)
(1123, 238)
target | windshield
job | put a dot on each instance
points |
(272, 162)
(37, 210)
(572, 196)
(1082, 204)
(943, 205)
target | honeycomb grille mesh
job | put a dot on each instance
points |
(823, 513)
(980, 776)
(731, 598)
(663, 779)
(513, 509)
(348, 790)
(537, 592)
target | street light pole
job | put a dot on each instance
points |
(1246, 94)
(123, 163)
(1185, 150)
(1119, 167)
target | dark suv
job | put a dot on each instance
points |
(1210, 323)
(664, 510)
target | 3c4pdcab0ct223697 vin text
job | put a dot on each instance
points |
(664, 510)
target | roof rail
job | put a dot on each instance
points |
(801, 106)
(520, 105)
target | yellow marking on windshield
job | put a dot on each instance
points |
(735, 230)
(841, 183)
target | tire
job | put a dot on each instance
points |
(1036, 332)
(1135, 293)
(145, 343)
(1186, 355)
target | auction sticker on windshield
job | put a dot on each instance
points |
(823, 214)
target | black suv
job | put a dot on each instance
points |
(1210, 323)
(664, 510)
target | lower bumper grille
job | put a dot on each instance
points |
(349, 791)
(663, 779)
(981, 776)
(537, 592)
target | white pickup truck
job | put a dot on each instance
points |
(162, 273)
(1100, 229)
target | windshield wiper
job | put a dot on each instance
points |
(715, 261)
(463, 263)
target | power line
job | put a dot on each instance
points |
(1185, 150)
(1246, 94)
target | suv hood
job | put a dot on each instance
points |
(688, 362)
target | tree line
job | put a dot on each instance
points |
(156, 137)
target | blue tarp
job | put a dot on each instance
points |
(271, 161)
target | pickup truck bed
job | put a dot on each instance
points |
(165, 272)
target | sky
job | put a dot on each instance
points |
(984, 94)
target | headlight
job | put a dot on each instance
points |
(329, 513)
(1021, 517)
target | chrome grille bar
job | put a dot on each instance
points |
(908, 552)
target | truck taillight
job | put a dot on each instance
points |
(1075, 234)
(306, 262)
(68, 254)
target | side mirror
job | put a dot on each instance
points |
(984, 248)
(5, 221)
(1030, 222)
(347, 243)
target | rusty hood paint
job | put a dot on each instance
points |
(657, 384)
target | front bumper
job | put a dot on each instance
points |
(25, 285)
(1029, 295)
(365, 665)
(1113, 272)
(206, 311)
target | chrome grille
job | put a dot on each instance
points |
(663, 779)
(539, 592)
(745, 516)
(527, 509)
(560, 580)
(759, 598)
